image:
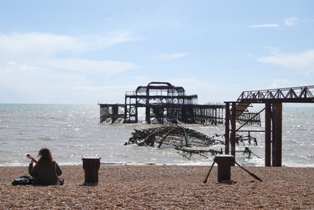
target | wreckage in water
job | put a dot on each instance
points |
(183, 139)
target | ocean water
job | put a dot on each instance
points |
(72, 132)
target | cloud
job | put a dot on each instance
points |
(172, 56)
(41, 50)
(265, 26)
(207, 92)
(111, 87)
(39, 45)
(46, 68)
(22, 83)
(100, 42)
(302, 62)
(291, 21)
(90, 66)
(46, 44)
(14, 66)
(279, 83)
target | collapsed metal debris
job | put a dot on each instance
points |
(187, 141)
(176, 136)
(187, 152)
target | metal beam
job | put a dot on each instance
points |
(277, 134)
(267, 134)
(227, 128)
(233, 128)
(303, 94)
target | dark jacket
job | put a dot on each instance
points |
(45, 174)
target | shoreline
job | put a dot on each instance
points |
(163, 187)
(164, 164)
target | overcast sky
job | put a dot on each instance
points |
(85, 52)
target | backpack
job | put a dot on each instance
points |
(23, 180)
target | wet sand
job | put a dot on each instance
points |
(163, 187)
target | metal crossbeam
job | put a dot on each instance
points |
(273, 99)
(302, 94)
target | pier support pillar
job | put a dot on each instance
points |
(227, 132)
(233, 128)
(267, 134)
(277, 134)
(273, 134)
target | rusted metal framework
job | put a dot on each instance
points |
(273, 99)
(302, 94)
(111, 113)
(162, 102)
(209, 114)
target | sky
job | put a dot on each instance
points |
(89, 52)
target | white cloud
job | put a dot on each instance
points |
(172, 56)
(25, 84)
(301, 62)
(142, 78)
(112, 87)
(45, 44)
(99, 42)
(14, 66)
(206, 91)
(291, 21)
(33, 71)
(30, 51)
(272, 25)
(90, 66)
(279, 83)
(36, 44)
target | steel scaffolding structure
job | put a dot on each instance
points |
(273, 99)
(162, 103)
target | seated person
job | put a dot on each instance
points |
(46, 171)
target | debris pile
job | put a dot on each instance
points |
(176, 136)
(185, 140)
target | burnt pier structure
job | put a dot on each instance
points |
(162, 102)
(272, 100)
(166, 103)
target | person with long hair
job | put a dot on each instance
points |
(46, 171)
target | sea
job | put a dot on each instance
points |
(73, 132)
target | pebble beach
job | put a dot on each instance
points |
(163, 187)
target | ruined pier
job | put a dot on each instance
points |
(163, 103)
